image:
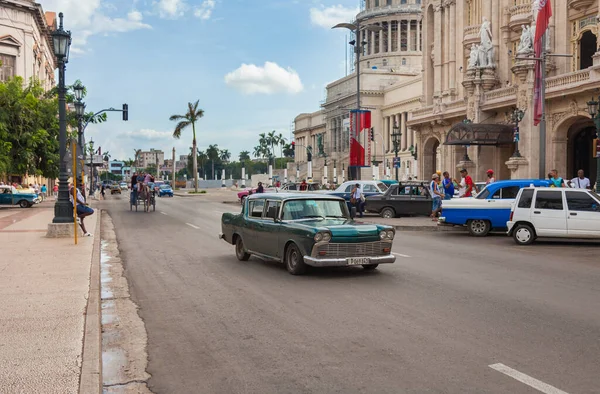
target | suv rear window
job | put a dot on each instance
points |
(549, 200)
(526, 198)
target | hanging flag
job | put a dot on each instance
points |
(360, 124)
(542, 22)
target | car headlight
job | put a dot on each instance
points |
(326, 237)
(318, 237)
(383, 235)
(322, 237)
(390, 234)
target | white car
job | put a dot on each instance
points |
(554, 213)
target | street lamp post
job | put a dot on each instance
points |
(61, 39)
(396, 135)
(80, 111)
(517, 116)
(91, 167)
(593, 111)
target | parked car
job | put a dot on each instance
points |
(115, 188)
(554, 213)
(244, 193)
(405, 198)
(490, 209)
(369, 188)
(9, 195)
(301, 230)
(296, 187)
(165, 190)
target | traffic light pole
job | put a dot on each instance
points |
(125, 112)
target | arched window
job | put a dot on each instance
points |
(587, 48)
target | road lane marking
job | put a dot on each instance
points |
(164, 213)
(402, 255)
(526, 379)
(192, 226)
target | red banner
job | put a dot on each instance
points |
(360, 124)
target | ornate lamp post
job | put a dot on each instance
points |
(517, 116)
(593, 111)
(61, 40)
(396, 135)
(79, 111)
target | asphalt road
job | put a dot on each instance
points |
(436, 321)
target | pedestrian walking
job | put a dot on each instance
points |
(356, 196)
(436, 196)
(102, 192)
(55, 191)
(490, 175)
(580, 182)
(448, 186)
(467, 181)
(44, 191)
(556, 180)
(260, 188)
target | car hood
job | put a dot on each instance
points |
(344, 229)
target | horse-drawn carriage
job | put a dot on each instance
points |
(146, 198)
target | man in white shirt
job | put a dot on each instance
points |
(83, 210)
(581, 182)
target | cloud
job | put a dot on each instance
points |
(205, 10)
(87, 18)
(171, 9)
(148, 135)
(330, 16)
(268, 79)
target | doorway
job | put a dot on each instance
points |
(430, 157)
(587, 48)
(580, 154)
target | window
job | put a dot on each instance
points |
(577, 201)
(506, 192)
(549, 200)
(349, 188)
(526, 198)
(271, 204)
(256, 208)
(384, 62)
(404, 61)
(376, 3)
(7, 67)
(369, 189)
(402, 1)
(388, 2)
(382, 186)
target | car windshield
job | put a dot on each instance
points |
(165, 186)
(382, 186)
(311, 208)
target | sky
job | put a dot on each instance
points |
(254, 65)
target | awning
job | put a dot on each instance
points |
(480, 134)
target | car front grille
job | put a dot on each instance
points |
(364, 249)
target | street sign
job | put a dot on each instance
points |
(396, 162)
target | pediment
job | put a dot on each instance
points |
(10, 41)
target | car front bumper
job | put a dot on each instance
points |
(343, 262)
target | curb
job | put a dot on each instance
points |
(90, 380)
(426, 228)
(231, 202)
(188, 195)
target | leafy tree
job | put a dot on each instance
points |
(213, 155)
(190, 118)
(244, 155)
(225, 155)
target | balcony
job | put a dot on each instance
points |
(580, 5)
(520, 14)
(568, 81)
(471, 35)
(389, 9)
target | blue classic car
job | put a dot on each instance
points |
(490, 209)
(9, 195)
(301, 230)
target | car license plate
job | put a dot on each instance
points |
(358, 260)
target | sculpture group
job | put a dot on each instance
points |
(482, 54)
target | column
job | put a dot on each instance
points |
(447, 44)
(404, 132)
(372, 42)
(419, 46)
(452, 17)
(437, 53)
(380, 40)
(385, 130)
(408, 36)
(389, 36)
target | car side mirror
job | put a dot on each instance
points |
(272, 213)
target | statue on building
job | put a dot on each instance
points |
(474, 56)
(526, 43)
(486, 48)
(320, 147)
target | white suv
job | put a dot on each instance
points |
(555, 213)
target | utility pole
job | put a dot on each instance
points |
(174, 174)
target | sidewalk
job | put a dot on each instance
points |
(44, 288)
(408, 223)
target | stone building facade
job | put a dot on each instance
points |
(456, 86)
(391, 88)
(26, 43)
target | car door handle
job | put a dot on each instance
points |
(537, 212)
(572, 213)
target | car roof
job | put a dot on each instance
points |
(293, 196)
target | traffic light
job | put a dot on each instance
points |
(372, 134)
(125, 112)
(293, 148)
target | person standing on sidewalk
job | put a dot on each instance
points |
(556, 180)
(468, 183)
(83, 210)
(355, 199)
(490, 175)
(448, 186)
(436, 196)
(44, 191)
(581, 182)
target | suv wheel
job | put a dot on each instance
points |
(523, 234)
(240, 252)
(294, 262)
(479, 227)
(388, 213)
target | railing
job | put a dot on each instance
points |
(423, 111)
(471, 30)
(568, 79)
(389, 9)
(519, 10)
(501, 93)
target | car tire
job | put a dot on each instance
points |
(294, 262)
(24, 204)
(479, 227)
(240, 251)
(523, 234)
(370, 267)
(388, 213)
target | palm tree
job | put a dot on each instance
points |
(190, 118)
(225, 155)
(138, 152)
(213, 154)
(244, 155)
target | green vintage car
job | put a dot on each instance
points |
(305, 229)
